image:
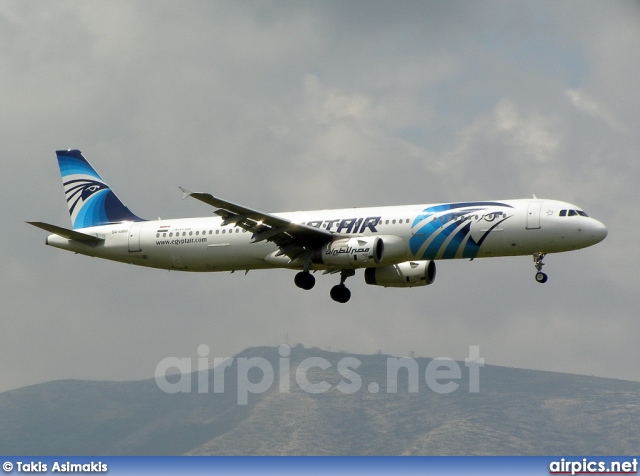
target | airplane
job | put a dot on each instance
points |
(397, 246)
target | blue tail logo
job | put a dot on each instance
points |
(90, 200)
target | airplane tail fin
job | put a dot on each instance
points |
(90, 200)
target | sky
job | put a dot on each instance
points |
(308, 105)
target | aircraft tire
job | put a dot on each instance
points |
(340, 293)
(305, 280)
(541, 277)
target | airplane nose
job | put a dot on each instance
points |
(598, 231)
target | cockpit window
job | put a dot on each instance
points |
(572, 213)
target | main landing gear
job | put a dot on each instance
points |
(537, 262)
(339, 293)
(305, 280)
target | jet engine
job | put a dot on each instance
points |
(402, 275)
(361, 251)
(351, 252)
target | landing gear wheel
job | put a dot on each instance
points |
(305, 280)
(340, 293)
(537, 262)
(541, 277)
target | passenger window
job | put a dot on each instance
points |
(563, 213)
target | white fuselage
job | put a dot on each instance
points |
(421, 232)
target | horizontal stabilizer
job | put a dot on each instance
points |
(65, 233)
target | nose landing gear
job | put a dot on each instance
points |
(537, 262)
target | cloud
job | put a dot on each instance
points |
(583, 102)
(307, 106)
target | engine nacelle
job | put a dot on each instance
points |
(395, 249)
(351, 252)
(402, 275)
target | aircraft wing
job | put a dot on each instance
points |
(293, 239)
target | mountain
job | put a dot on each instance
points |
(515, 411)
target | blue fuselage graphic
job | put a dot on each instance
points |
(444, 231)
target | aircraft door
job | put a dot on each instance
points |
(134, 237)
(533, 215)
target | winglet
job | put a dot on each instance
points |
(185, 193)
